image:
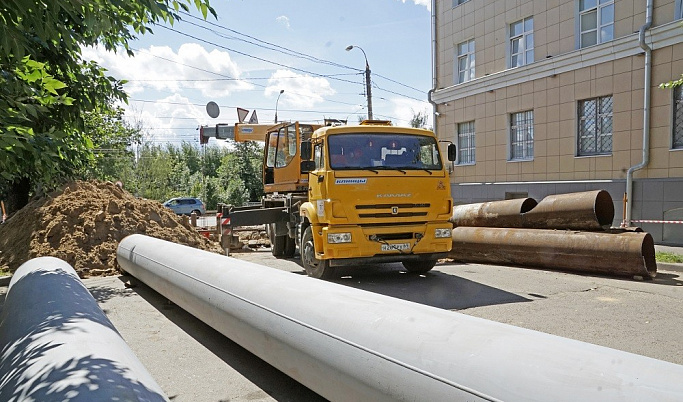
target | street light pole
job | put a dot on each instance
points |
(276, 102)
(368, 87)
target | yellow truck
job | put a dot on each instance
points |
(353, 195)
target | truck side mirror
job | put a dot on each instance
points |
(452, 152)
(307, 166)
(306, 151)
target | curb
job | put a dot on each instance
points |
(665, 266)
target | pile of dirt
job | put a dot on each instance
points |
(82, 224)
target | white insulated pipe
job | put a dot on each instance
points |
(351, 345)
(58, 345)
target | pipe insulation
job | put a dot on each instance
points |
(58, 345)
(349, 345)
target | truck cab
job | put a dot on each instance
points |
(376, 193)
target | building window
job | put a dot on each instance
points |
(522, 42)
(595, 126)
(596, 21)
(678, 118)
(464, 63)
(678, 10)
(522, 135)
(466, 147)
(459, 2)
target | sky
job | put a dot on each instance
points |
(255, 49)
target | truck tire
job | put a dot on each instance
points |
(419, 267)
(277, 243)
(319, 269)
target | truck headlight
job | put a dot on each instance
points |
(442, 233)
(334, 238)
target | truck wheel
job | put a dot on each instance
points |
(277, 243)
(419, 267)
(315, 268)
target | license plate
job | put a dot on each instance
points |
(396, 247)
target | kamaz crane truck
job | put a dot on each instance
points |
(351, 195)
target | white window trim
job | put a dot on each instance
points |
(510, 141)
(673, 117)
(523, 41)
(577, 22)
(582, 153)
(471, 60)
(473, 133)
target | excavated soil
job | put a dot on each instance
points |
(83, 223)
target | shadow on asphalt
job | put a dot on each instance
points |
(269, 379)
(435, 288)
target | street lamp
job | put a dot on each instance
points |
(276, 102)
(368, 89)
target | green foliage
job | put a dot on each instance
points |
(230, 176)
(672, 84)
(419, 120)
(46, 88)
(669, 257)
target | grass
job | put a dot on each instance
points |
(669, 257)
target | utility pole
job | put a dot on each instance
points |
(368, 86)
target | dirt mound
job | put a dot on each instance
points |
(83, 223)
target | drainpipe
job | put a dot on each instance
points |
(646, 114)
(434, 80)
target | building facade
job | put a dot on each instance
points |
(546, 97)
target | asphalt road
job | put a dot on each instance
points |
(192, 362)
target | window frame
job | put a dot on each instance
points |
(469, 135)
(458, 2)
(526, 139)
(678, 13)
(599, 7)
(522, 37)
(598, 118)
(469, 58)
(677, 118)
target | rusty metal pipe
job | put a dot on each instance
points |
(622, 254)
(588, 210)
(502, 214)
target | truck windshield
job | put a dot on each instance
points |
(374, 151)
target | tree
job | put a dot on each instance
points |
(419, 119)
(46, 87)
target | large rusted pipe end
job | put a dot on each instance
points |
(604, 209)
(527, 205)
(648, 251)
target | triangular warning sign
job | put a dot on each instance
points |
(253, 119)
(241, 114)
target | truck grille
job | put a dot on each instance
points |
(404, 210)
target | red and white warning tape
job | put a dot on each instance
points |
(653, 221)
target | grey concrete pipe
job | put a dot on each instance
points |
(351, 345)
(501, 214)
(625, 254)
(58, 345)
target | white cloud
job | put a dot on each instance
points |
(160, 68)
(301, 91)
(425, 3)
(173, 119)
(404, 110)
(284, 20)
